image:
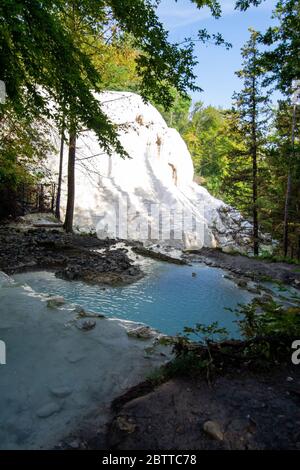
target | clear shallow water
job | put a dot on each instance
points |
(168, 298)
(57, 376)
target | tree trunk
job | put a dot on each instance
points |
(61, 157)
(254, 171)
(254, 200)
(68, 225)
(288, 191)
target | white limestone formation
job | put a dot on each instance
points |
(157, 179)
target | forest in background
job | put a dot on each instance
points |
(247, 155)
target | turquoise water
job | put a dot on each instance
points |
(168, 298)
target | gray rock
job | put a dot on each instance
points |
(54, 302)
(142, 332)
(76, 357)
(85, 325)
(213, 429)
(75, 444)
(61, 392)
(241, 283)
(83, 314)
(48, 410)
(125, 424)
(254, 290)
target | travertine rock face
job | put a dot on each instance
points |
(152, 195)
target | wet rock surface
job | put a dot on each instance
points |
(71, 256)
(238, 411)
(140, 250)
(142, 332)
(59, 377)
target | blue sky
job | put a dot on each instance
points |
(215, 71)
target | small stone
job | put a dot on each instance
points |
(142, 332)
(74, 358)
(54, 302)
(61, 392)
(253, 290)
(213, 429)
(48, 410)
(75, 444)
(125, 425)
(83, 314)
(194, 274)
(79, 309)
(86, 325)
(289, 379)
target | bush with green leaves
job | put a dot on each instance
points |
(268, 329)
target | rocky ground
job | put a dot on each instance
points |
(243, 266)
(71, 256)
(240, 410)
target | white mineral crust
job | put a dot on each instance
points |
(158, 177)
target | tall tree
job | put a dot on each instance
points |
(161, 68)
(41, 63)
(252, 104)
(275, 178)
(281, 60)
(60, 172)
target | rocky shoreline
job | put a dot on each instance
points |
(89, 259)
(70, 256)
(239, 410)
(244, 267)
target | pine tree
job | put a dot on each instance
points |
(252, 105)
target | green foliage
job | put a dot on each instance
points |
(177, 116)
(192, 351)
(41, 63)
(281, 59)
(115, 60)
(269, 328)
(267, 256)
(251, 142)
(273, 185)
(268, 318)
(42, 58)
(24, 145)
(55, 55)
(206, 333)
(209, 140)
